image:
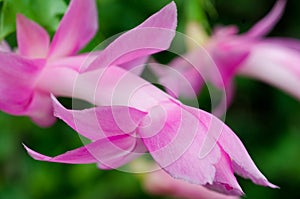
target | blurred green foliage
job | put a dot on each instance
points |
(266, 119)
(46, 13)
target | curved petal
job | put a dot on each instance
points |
(291, 43)
(152, 36)
(40, 109)
(276, 65)
(225, 181)
(97, 123)
(77, 27)
(101, 151)
(133, 151)
(268, 22)
(77, 156)
(33, 40)
(241, 160)
(221, 134)
(174, 138)
(17, 78)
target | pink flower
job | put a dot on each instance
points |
(227, 54)
(132, 116)
(20, 72)
(135, 117)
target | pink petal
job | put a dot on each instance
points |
(291, 43)
(174, 137)
(221, 134)
(182, 77)
(152, 36)
(106, 87)
(74, 62)
(242, 163)
(225, 31)
(225, 181)
(276, 65)
(76, 29)
(109, 153)
(33, 40)
(17, 78)
(82, 155)
(133, 151)
(40, 109)
(228, 54)
(135, 66)
(268, 22)
(100, 122)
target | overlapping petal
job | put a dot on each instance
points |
(40, 109)
(17, 77)
(101, 151)
(100, 122)
(225, 181)
(209, 154)
(152, 36)
(221, 134)
(174, 139)
(112, 131)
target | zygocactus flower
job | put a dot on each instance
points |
(132, 117)
(135, 117)
(219, 58)
(20, 72)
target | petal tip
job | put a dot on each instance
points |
(35, 155)
(20, 17)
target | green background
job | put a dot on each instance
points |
(265, 118)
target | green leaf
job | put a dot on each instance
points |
(46, 13)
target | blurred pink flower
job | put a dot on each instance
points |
(227, 54)
(132, 116)
(20, 72)
(161, 184)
